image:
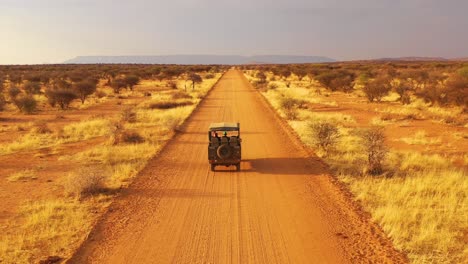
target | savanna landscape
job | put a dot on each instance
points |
(389, 139)
(237, 132)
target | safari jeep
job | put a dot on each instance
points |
(224, 146)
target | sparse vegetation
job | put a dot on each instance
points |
(325, 135)
(416, 194)
(24, 175)
(376, 89)
(25, 103)
(376, 150)
(61, 97)
(85, 181)
(96, 159)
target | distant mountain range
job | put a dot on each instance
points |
(422, 59)
(199, 59)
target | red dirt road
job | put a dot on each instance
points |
(281, 208)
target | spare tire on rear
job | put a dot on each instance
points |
(224, 151)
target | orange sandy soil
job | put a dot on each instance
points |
(49, 170)
(400, 126)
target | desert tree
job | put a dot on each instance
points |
(457, 88)
(195, 78)
(155, 71)
(84, 89)
(13, 91)
(61, 97)
(33, 77)
(403, 89)
(312, 72)
(61, 83)
(110, 75)
(300, 72)
(170, 73)
(325, 78)
(285, 72)
(118, 84)
(77, 75)
(32, 87)
(25, 103)
(131, 81)
(261, 76)
(15, 78)
(376, 89)
(337, 80)
(342, 83)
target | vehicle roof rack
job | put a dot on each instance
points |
(225, 126)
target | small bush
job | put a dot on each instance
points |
(172, 123)
(131, 80)
(128, 137)
(60, 97)
(24, 175)
(259, 84)
(289, 106)
(375, 90)
(261, 76)
(325, 135)
(272, 86)
(169, 105)
(13, 91)
(25, 103)
(181, 95)
(100, 94)
(40, 127)
(118, 84)
(128, 115)
(209, 76)
(374, 142)
(32, 87)
(172, 85)
(86, 181)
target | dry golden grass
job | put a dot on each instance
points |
(70, 133)
(420, 110)
(421, 203)
(47, 228)
(424, 213)
(420, 138)
(56, 227)
(24, 175)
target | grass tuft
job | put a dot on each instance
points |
(24, 175)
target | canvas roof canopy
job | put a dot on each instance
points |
(224, 126)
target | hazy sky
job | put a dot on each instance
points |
(36, 31)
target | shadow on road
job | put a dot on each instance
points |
(293, 166)
(184, 193)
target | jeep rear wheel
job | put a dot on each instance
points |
(224, 151)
